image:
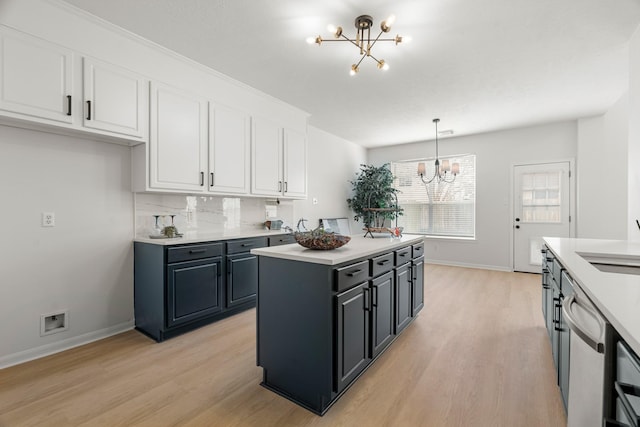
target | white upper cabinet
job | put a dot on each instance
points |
(115, 99)
(37, 78)
(267, 158)
(279, 163)
(295, 164)
(229, 150)
(178, 140)
(37, 85)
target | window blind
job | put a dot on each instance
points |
(437, 209)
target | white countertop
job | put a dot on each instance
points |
(358, 247)
(617, 296)
(198, 237)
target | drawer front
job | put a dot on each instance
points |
(381, 264)
(417, 250)
(557, 271)
(284, 239)
(351, 275)
(245, 245)
(193, 252)
(403, 255)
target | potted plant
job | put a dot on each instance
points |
(373, 188)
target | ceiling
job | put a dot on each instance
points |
(477, 65)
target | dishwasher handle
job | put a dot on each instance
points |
(596, 343)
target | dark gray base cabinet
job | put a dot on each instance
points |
(320, 327)
(178, 288)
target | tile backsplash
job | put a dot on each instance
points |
(208, 213)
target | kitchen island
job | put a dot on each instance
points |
(324, 316)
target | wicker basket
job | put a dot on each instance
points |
(320, 240)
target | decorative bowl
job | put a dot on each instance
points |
(319, 240)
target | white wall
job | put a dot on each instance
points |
(85, 263)
(634, 138)
(496, 153)
(331, 164)
(602, 174)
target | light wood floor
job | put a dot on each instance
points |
(478, 355)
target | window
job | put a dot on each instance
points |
(437, 209)
(541, 197)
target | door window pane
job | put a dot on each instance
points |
(541, 198)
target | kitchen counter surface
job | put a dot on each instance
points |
(358, 247)
(616, 295)
(198, 237)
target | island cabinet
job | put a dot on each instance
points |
(320, 326)
(181, 287)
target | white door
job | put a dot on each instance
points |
(229, 150)
(178, 140)
(36, 77)
(266, 177)
(541, 209)
(115, 99)
(295, 164)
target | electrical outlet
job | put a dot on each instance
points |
(48, 219)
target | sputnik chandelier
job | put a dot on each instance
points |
(363, 40)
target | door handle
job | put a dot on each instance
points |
(517, 226)
(517, 219)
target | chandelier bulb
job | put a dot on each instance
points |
(383, 65)
(354, 70)
(385, 25)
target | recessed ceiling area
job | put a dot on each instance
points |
(478, 66)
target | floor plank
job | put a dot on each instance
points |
(478, 355)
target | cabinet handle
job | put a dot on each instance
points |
(354, 273)
(286, 186)
(244, 245)
(68, 105)
(374, 296)
(201, 179)
(403, 254)
(88, 110)
(383, 262)
(211, 180)
(197, 251)
(367, 306)
(279, 185)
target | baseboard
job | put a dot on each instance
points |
(56, 347)
(467, 265)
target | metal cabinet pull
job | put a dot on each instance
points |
(211, 181)
(354, 273)
(367, 306)
(286, 186)
(88, 110)
(68, 105)
(244, 245)
(201, 179)
(279, 185)
(197, 251)
(374, 296)
(383, 262)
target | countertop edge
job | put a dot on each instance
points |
(295, 252)
(209, 237)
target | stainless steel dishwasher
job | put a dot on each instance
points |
(590, 336)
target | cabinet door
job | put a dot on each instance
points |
(115, 100)
(403, 297)
(266, 158)
(295, 164)
(36, 78)
(417, 267)
(382, 319)
(229, 150)
(242, 279)
(352, 336)
(178, 140)
(193, 290)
